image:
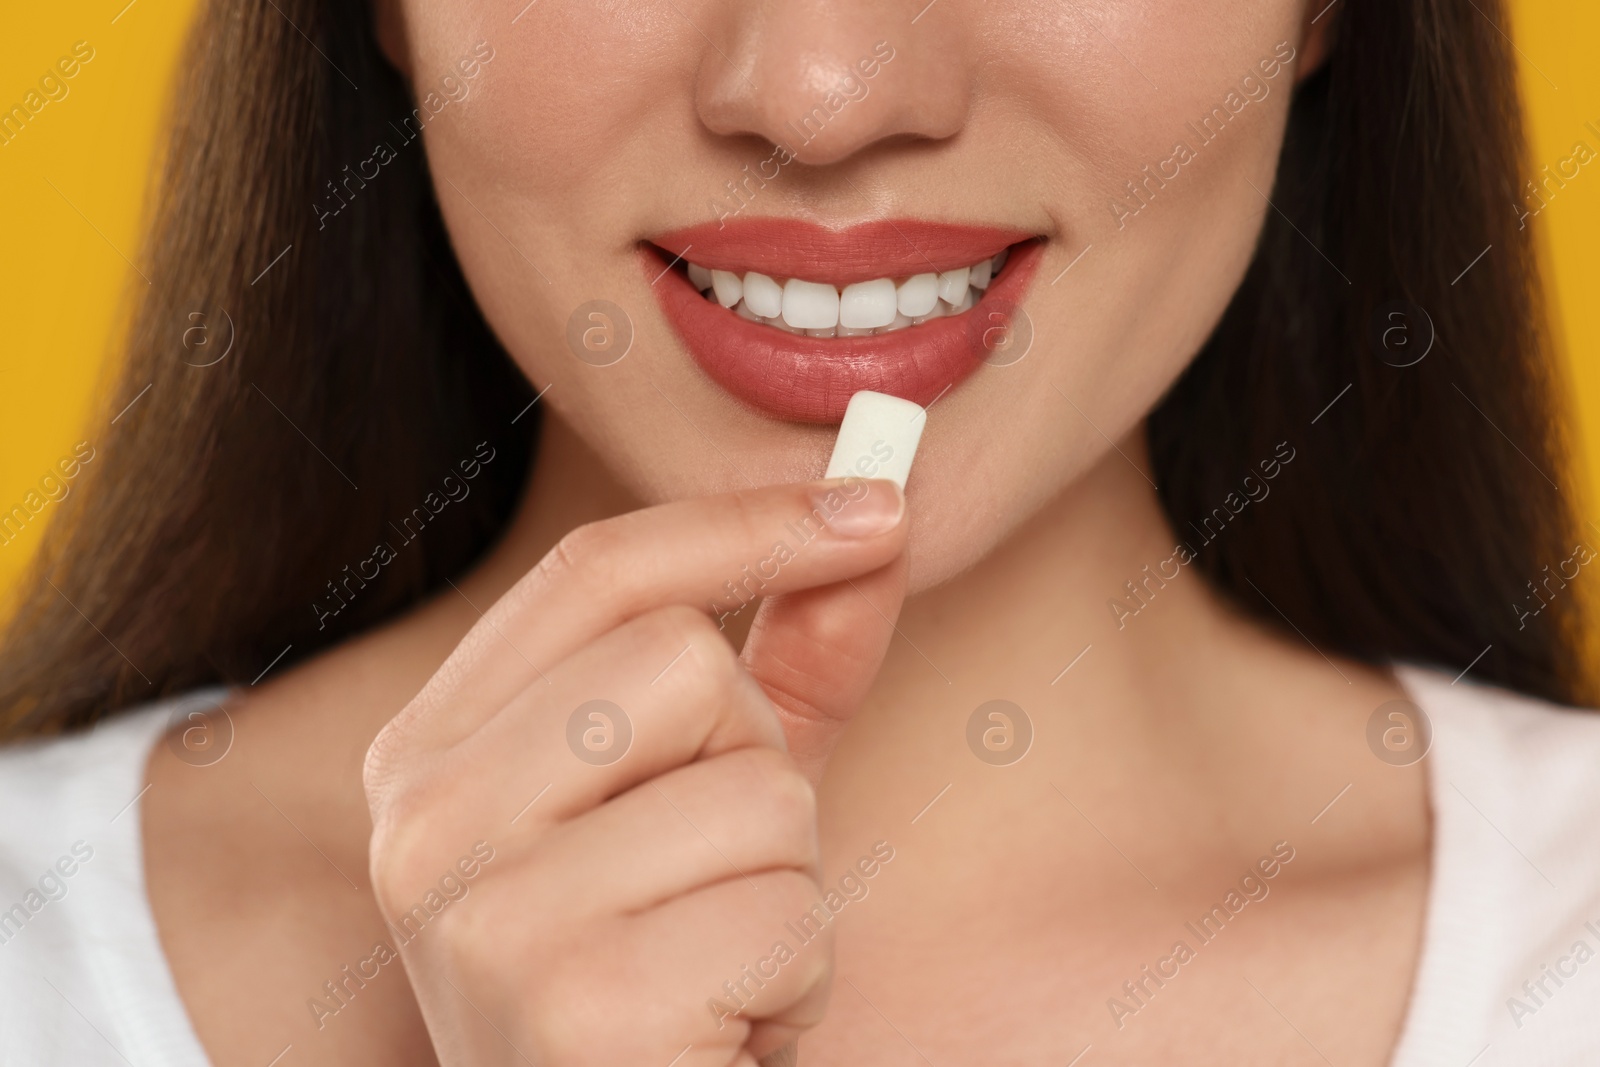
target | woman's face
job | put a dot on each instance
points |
(577, 148)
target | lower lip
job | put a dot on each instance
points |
(811, 379)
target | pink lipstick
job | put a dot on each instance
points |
(793, 318)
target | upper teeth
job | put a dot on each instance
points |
(822, 310)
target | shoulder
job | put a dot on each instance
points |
(1538, 759)
(82, 977)
(1514, 907)
(82, 782)
(1522, 762)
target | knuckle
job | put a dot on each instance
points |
(680, 629)
(796, 893)
(585, 553)
(798, 899)
(383, 766)
(681, 623)
(787, 797)
(747, 517)
(402, 845)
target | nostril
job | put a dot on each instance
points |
(823, 85)
(809, 119)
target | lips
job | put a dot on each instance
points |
(776, 367)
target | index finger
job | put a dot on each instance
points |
(712, 553)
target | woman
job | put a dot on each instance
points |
(435, 719)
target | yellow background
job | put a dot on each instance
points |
(72, 188)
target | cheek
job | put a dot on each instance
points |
(563, 104)
(1112, 333)
(1162, 181)
(1165, 163)
(561, 132)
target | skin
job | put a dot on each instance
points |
(1174, 756)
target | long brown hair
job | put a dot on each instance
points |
(1421, 519)
(217, 528)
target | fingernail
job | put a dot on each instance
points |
(856, 507)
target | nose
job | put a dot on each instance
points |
(826, 79)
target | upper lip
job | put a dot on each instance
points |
(795, 248)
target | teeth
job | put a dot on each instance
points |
(817, 309)
(729, 287)
(763, 295)
(810, 305)
(918, 294)
(866, 305)
(953, 285)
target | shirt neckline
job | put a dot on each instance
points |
(141, 985)
(1455, 967)
(135, 981)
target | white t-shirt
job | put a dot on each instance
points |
(1509, 975)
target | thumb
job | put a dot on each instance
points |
(817, 651)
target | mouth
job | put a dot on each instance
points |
(793, 319)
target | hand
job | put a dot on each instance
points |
(615, 908)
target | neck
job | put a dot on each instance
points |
(1090, 609)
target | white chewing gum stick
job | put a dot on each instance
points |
(878, 438)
